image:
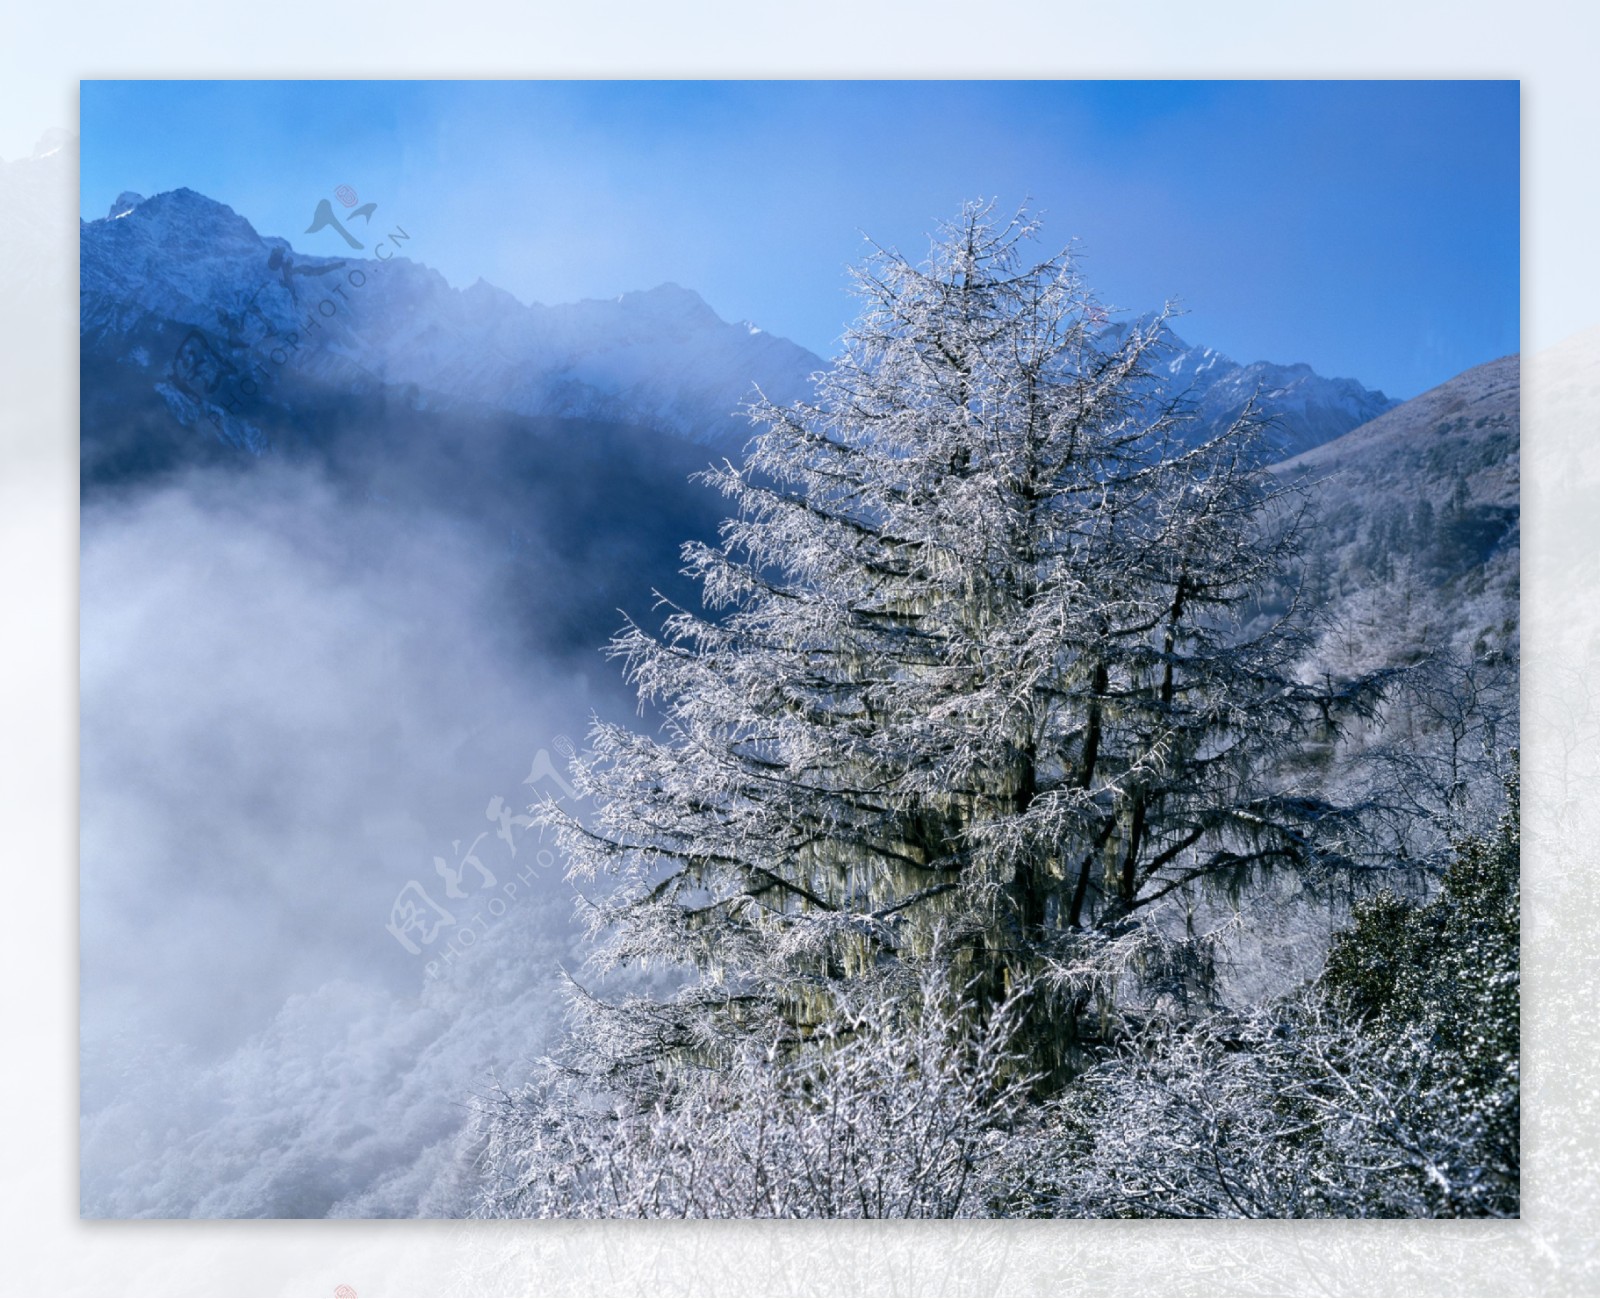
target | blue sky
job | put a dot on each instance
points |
(1368, 228)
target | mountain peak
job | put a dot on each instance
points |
(182, 204)
(1307, 408)
(480, 290)
(669, 300)
(185, 199)
(53, 141)
(178, 218)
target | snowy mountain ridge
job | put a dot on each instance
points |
(240, 310)
(1305, 409)
(182, 285)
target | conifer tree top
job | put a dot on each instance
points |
(980, 679)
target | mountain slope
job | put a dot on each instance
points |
(1417, 542)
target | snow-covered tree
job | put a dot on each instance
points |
(1390, 1088)
(974, 664)
(901, 1113)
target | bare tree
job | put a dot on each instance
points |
(1437, 760)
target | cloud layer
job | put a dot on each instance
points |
(293, 702)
